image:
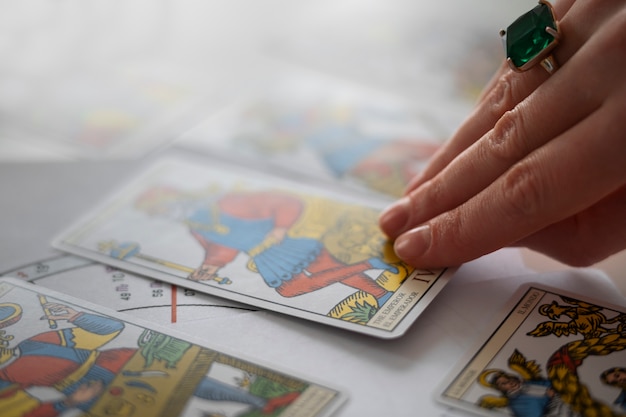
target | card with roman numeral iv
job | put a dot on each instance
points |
(293, 247)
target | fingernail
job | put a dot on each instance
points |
(395, 217)
(414, 243)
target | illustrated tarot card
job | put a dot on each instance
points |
(551, 354)
(61, 355)
(269, 242)
(327, 128)
(145, 298)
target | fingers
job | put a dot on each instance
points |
(510, 89)
(543, 115)
(505, 90)
(586, 238)
(516, 180)
(557, 181)
(516, 134)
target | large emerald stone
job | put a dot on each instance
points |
(527, 36)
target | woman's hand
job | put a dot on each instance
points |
(541, 162)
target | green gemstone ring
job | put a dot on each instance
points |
(530, 39)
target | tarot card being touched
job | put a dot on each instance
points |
(60, 356)
(552, 354)
(271, 243)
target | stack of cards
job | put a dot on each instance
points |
(236, 239)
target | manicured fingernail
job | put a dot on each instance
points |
(395, 217)
(414, 243)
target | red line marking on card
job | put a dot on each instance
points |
(174, 291)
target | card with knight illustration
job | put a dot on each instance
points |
(294, 247)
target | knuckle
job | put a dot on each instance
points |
(524, 192)
(502, 97)
(452, 232)
(432, 190)
(436, 190)
(505, 140)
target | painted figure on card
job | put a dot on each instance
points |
(67, 360)
(577, 317)
(361, 142)
(73, 362)
(296, 244)
(616, 377)
(525, 392)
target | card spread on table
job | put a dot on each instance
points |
(325, 127)
(552, 353)
(145, 298)
(60, 354)
(251, 237)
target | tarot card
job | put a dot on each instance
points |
(552, 353)
(61, 355)
(125, 292)
(327, 128)
(254, 238)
